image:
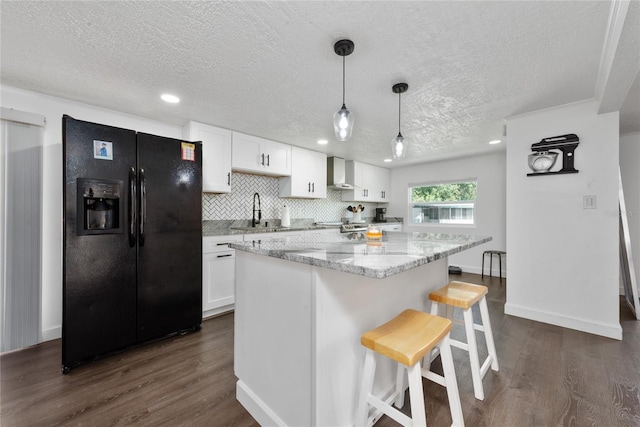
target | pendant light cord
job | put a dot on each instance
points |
(399, 102)
(343, 78)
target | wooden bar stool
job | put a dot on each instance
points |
(407, 338)
(464, 296)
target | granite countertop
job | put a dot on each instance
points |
(351, 253)
(230, 227)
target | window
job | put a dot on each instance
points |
(447, 203)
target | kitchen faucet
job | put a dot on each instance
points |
(253, 220)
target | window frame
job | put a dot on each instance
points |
(410, 204)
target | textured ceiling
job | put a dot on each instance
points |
(268, 68)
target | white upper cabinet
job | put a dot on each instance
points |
(252, 154)
(371, 182)
(308, 175)
(361, 175)
(382, 183)
(216, 155)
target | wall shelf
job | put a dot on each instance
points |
(552, 173)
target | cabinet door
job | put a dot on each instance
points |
(308, 175)
(246, 150)
(354, 173)
(259, 155)
(216, 155)
(277, 158)
(318, 174)
(298, 184)
(368, 182)
(382, 184)
(219, 279)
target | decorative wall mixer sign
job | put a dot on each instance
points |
(542, 159)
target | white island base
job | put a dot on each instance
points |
(298, 356)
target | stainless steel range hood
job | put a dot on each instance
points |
(336, 176)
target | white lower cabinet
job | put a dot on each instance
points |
(218, 274)
(219, 267)
(391, 227)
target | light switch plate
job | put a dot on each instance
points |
(589, 201)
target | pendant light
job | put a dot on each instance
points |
(398, 145)
(343, 119)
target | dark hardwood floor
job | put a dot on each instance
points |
(548, 376)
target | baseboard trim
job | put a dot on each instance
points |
(478, 270)
(256, 407)
(51, 333)
(609, 331)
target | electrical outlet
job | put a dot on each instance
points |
(589, 201)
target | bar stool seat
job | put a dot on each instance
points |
(464, 296)
(406, 339)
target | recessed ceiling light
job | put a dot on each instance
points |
(323, 142)
(171, 99)
(388, 160)
(495, 141)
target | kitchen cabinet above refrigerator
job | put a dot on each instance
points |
(216, 155)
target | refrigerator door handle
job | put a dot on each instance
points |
(143, 205)
(133, 196)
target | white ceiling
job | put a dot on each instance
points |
(268, 68)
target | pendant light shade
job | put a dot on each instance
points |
(398, 145)
(343, 124)
(343, 119)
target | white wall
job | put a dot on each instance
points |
(53, 109)
(630, 171)
(489, 170)
(563, 258)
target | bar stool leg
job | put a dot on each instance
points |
(362, 412)
(500, 259)
(430, 356)
(473, 354)
(483, 254)
(451, 383)
(434, 308)
(488, 334)
(399, 402)
(490, 265)
(416, 394)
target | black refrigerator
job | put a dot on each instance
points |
(132, 231)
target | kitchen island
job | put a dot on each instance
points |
(302, 304)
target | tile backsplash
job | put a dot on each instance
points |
(239, 203)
